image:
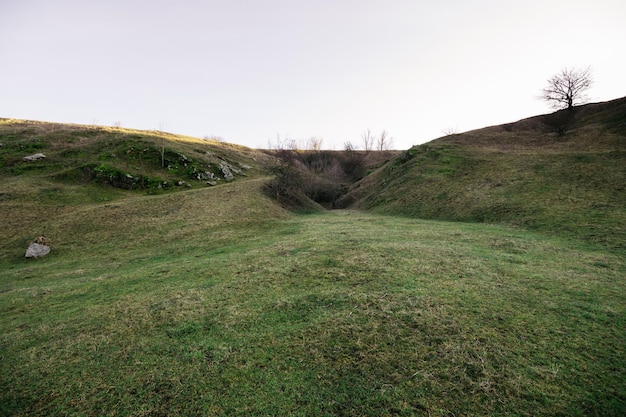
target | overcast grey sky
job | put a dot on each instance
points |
(249, 70)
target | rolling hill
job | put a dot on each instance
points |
(177, 285)
(562, 173)
(87, 168)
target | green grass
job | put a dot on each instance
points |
(123, 158)
(520, 174)
(198, 300)
(342, 313)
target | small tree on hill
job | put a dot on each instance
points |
(567, 88)
(368, 140)
(385, 142)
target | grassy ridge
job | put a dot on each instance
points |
(74, 194)
(522, 173)
(122, 158)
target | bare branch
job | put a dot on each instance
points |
(314, 144)
(450, 131)
(349, 147)
(368, 140)
(567, 89)
(385, 142)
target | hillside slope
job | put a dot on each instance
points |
(95, 181)
(562, 173)
(121, 158)
(163, 299)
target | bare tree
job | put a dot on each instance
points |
(368, 140)
(348, 146)
(283, 144)
(567, 88)
(292, 144)
(385, 142)
(314, 144)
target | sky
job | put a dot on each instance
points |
(257, 72)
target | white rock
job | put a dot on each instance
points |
(36, 250)
(35, 157)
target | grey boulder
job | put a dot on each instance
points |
(37, 250)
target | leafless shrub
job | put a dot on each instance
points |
(449, 131)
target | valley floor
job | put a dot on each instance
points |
(187, 311)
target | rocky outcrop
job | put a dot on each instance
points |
(226, 172)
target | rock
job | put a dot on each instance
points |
(39, 247)
(228, 175)
(37, 250)
(34, 157)
(201, 176)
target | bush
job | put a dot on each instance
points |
(321, 177)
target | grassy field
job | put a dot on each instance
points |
(171, 307)
(171, 291)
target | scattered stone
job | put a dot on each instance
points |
(35, 250)
(200, 176)
(211, 183)
(228, 175)
(244, 166)
(39, 247)
(34, 157)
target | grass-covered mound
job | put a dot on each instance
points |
(563, 173)
(88, 169)
(121, 158)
